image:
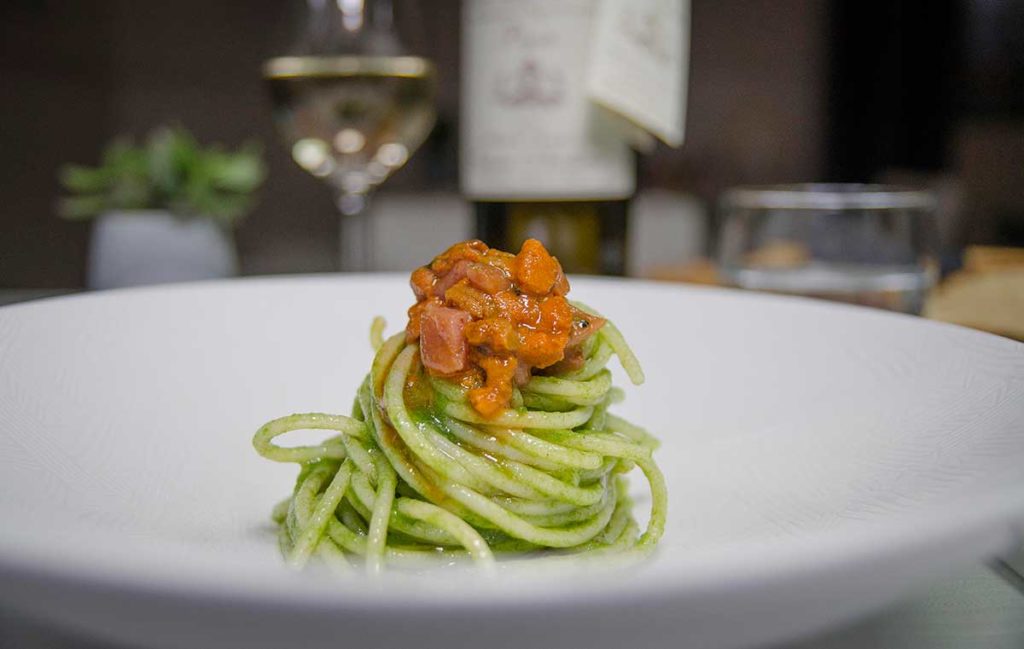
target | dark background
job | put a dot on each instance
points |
(929, 92)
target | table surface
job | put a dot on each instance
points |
(981, 606)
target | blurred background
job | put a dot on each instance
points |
(929, 93)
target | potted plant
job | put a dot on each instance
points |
(163, 210)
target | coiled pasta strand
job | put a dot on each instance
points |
(408, 477)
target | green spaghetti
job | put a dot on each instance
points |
(422, 468)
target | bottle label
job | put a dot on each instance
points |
(529, 130)
(639, 63)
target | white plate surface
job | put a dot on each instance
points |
(821, 461)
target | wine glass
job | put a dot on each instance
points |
(352, 107)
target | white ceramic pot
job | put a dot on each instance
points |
(153, 247)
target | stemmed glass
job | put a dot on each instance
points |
(352, 106)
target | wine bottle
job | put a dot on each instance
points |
(538, 158)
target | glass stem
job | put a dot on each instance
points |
(356, 234)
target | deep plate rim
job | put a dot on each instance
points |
(992, 527)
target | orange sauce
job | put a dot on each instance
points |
(518, 319)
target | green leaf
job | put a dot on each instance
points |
(129, 163)
(118, 149)
(161, 165)
(86, 180)
(239, 172)
(78, 208)
(230, 208)
(132, 193)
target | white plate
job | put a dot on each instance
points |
(821, 461)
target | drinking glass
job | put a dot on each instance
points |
(352, 106)
(872, 245)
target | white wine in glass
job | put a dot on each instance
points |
(352, 120)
